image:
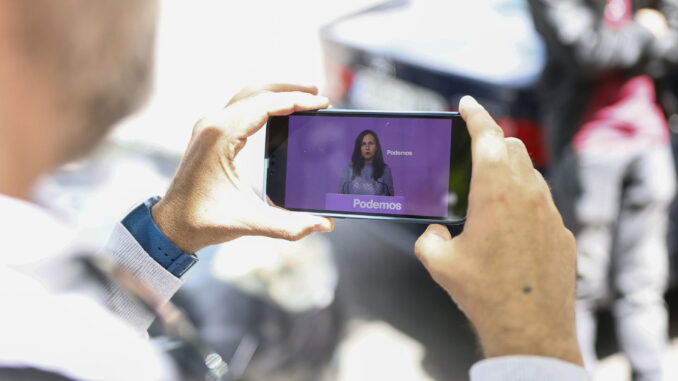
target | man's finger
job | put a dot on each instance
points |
(281, 223)
(520, 161)
(272, 87)
(286, 103)
(487, 138)
(545, 187)
(246, 117)
(259, 108)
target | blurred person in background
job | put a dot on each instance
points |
(612, 169)
(73, 68)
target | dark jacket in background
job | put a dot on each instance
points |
(580, 48)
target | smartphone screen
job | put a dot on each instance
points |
(384, 165)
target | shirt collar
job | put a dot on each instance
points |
(29, 233)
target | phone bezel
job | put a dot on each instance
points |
(457, 122)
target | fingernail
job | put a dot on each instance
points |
(434, 233)
(467, 101)
(436, 236)
(325, 226)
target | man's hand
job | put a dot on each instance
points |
(207, 203)
(512, 270)
(653, 20)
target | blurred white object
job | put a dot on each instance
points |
(616, 367)
(296, 276)
(377, 351)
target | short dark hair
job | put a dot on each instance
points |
(99, 55)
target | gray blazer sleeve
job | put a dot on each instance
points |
(345, 181)
(388, 181)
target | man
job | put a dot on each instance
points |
(613, 172)
(72, 68)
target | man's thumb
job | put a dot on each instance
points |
(285, 224)
(433, 244)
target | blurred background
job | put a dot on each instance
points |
(355, 304)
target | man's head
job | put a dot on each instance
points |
(71, 69)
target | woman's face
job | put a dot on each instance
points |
(368, 148)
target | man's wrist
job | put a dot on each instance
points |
(155, 242)
(175, 227)
(556, 345)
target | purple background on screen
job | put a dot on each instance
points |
(320, 147)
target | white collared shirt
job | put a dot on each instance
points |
(68, 333)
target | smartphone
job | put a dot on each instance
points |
(398, 166)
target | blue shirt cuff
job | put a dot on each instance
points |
(142, 227)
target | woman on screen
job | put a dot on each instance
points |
(367, 173)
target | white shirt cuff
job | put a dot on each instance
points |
(526, 368)
(129, 254)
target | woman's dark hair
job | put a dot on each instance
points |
(357, 159)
